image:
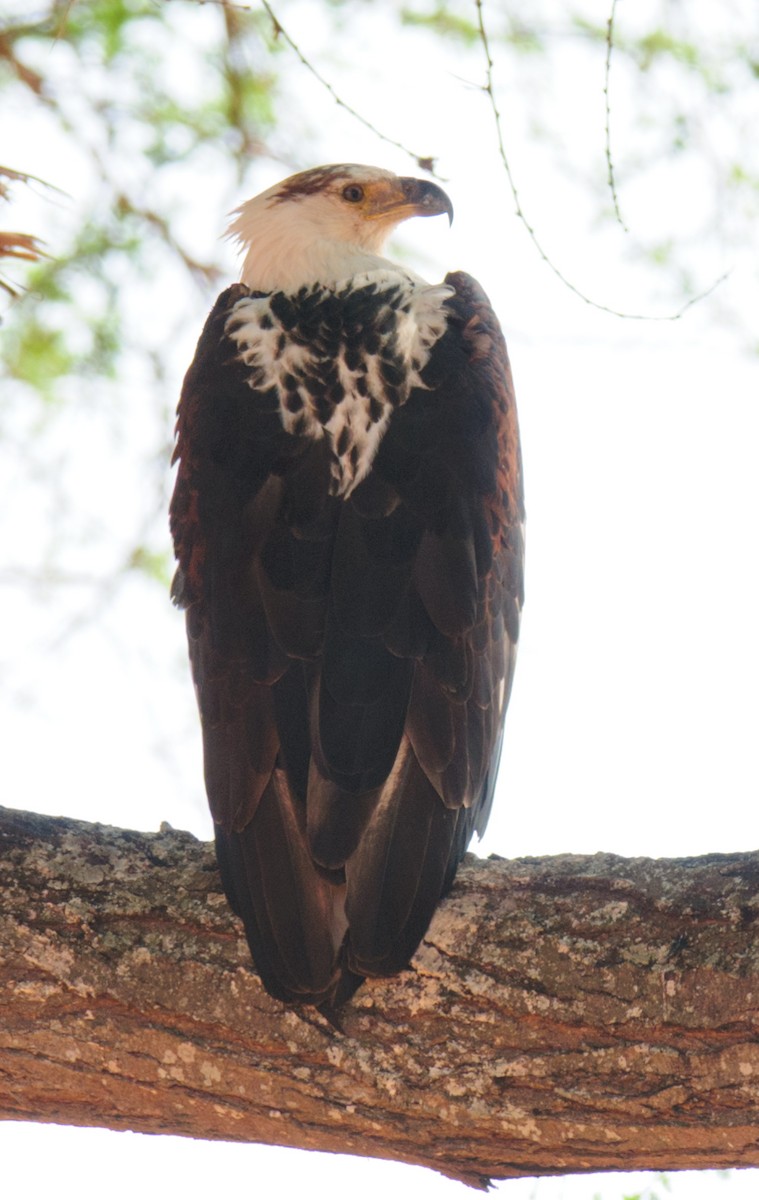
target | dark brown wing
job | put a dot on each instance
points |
(352, 658)
(451, 456)
(256, 596)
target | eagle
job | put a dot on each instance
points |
(348, 524)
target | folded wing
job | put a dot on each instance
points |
(352, 656)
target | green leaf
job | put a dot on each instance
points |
(38, 355)
(154, 564)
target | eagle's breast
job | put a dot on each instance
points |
(337, 361)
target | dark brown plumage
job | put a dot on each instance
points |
(352, 640)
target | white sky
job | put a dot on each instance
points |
(635, 709)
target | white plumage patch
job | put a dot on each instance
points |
(341, 359)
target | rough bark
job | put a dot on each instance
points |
(564, 1014)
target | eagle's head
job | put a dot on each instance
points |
(327, 224)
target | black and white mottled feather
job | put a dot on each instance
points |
(348, 522)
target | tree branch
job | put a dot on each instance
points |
(563, 1014)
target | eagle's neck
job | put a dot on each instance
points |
(327, 264)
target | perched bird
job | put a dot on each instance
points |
(348, 523)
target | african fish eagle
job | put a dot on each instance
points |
(348, 524)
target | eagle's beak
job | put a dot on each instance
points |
(426, 199)
(393, 200)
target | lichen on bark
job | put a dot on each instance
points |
(563, 1014)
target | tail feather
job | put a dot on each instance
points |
(397, 875)
(293, 913)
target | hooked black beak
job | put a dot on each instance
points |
(426, 198)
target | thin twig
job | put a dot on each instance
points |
(615, 312)
(60, 29)
(424, 162)
(609, 161)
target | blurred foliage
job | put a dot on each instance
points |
(716, 65)
(130, 116)
(444, 21)
(458, 22)
(161, 85)
(136, 99)
(140, 99)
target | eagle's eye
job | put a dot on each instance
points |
(353, 193)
